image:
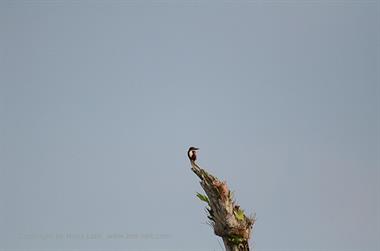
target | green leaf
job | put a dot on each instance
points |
(239, 214)
(235, 239)
(203, 198)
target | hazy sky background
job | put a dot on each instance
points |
(101, 99)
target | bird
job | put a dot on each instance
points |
(192, 153)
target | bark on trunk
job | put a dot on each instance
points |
(235, 247)
(224, 214)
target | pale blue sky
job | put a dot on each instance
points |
(101, 99)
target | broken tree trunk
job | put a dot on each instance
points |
(226, 217)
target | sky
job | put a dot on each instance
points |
(100, 100)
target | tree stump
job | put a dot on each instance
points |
(224, 214)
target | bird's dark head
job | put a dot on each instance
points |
(192, 153)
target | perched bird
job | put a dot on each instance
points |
(192, 153)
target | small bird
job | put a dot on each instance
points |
(192, 153)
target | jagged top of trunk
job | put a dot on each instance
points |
(228, 220)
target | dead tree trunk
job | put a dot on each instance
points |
(226, 217)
